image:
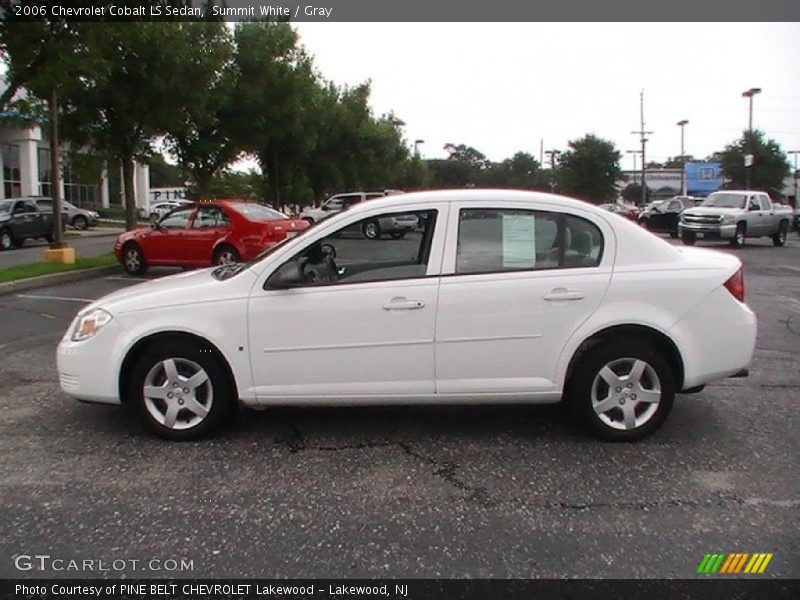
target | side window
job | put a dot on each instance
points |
(753, 203)
(45, 205)
(178, 219)
(335, 204)
(28, 206)
(387, 247)
(496, 240)
(675, 206)
(208, 217)
(764, 202)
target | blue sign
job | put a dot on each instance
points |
(702, 178)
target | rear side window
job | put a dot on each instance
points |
(764, 202)
(497, 240)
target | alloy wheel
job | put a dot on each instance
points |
(178, 393)
(626, 393)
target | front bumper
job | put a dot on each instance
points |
(85, 369)
(720, 232)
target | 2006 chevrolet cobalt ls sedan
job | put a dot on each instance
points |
(496, 297)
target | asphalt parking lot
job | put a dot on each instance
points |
(452, 492)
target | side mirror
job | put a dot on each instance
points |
(286, 276)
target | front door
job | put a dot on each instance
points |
(520, 282)
(359, 324)
(166, 243)
(210, 223)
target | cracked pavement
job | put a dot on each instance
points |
(422, 491)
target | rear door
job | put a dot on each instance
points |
(515, 285)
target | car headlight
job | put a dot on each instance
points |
(89, 324)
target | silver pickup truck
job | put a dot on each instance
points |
(735, 215)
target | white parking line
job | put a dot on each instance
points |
(65, 298)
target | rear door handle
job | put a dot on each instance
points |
(562, 294)
(403, 304)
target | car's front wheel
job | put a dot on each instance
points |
(779, 239)
(623, 389)
(6, 240)
(689, 239)
(740, 236)
(371, 230)
(80, 222)
(182, 389)
(133, 260)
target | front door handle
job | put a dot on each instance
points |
(401, 303)
(563, 294)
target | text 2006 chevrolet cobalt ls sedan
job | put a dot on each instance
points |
(496, 297)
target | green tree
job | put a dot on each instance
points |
(142, 88)
(275, 97)
(521, 171)
(589, 169)
(202, 139)
(770, 165)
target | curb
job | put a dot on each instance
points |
(31, 283)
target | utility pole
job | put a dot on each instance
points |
(748, 159)
(642, 133)
(552, 154)
(795, 152)
(682, 124)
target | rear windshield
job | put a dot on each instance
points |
(724, 201)
(257, 212)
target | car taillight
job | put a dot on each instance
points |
(735, 285)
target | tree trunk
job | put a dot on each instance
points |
(130, 197)
(55, 172)
(203, 180)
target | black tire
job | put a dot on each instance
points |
(673, 235)
(371, 230)
(779, 239)
(213, 398)
(645, 223)
(49, 238)
(738, 239)
(398, 235)
(308, 220)
(688, 239)
(133, 260)
(225, 255)
(80, 222)
(6, 239)
(588, 388)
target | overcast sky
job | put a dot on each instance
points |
(503, 87)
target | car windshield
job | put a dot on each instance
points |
(257, 212)
(725, 201)
(5, 206)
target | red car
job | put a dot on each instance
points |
(622, 210)
(206, 233)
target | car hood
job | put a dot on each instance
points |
(191, 287)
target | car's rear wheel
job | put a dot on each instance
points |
(6, 239)
(779, 239)
(182, 389)
(623, 389)
(225, 255)
(133, 260)
(371, 230)
(689, 239)
(738, 239)
(80, 222)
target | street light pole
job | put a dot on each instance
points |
(795, 152)
(682, 124)
(748, 165)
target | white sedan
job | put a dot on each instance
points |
(498, 297)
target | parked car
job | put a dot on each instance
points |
(796, 220)
(205, 234)
(158, 210)
(504, 296)
(622, 210)
(79, 218)
(663, 216)
(735, 215)
(22, 219)
(339, 202)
